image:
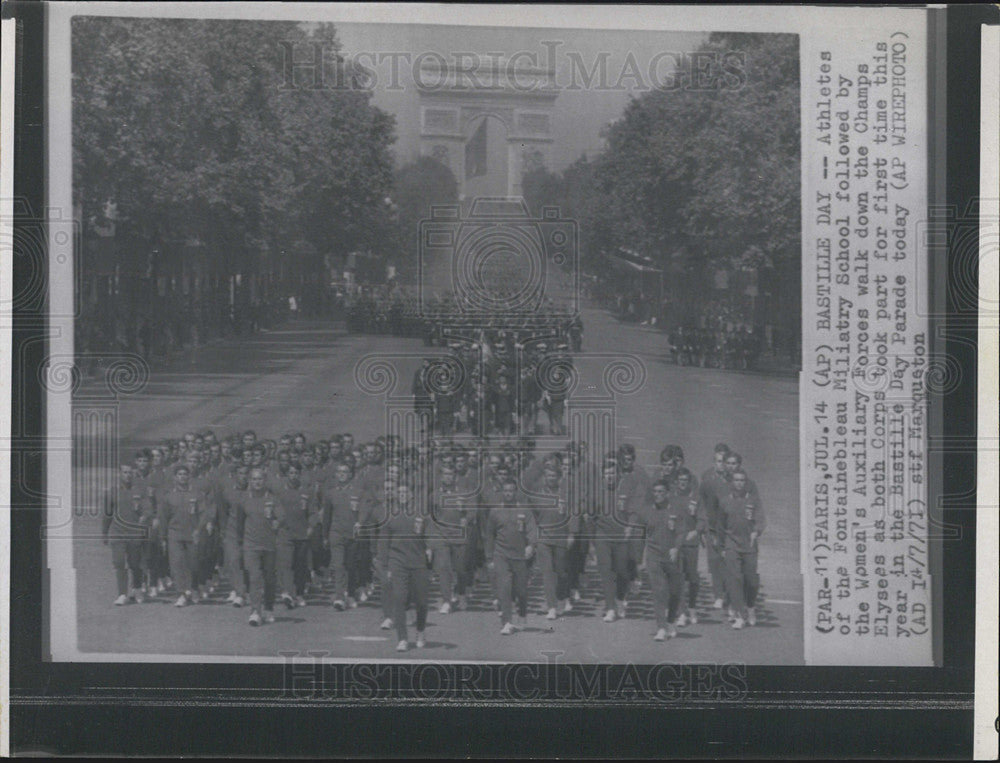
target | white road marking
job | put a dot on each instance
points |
(364, 638)
(196, 376)
(305, 331)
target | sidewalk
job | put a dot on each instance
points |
(94, 368)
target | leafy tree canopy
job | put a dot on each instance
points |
(193, 128)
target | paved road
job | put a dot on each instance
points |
(302, 378)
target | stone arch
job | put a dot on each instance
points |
(517, 117)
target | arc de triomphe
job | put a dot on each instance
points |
(516, 104)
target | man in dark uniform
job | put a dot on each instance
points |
(742, 522)
(511, 537)
(217, 476)
(336, 449)
(583, 482)
(668, 465)
(203, 483)
(558, 525)
(490, 496)
(678, 461)
(734, 462)
(612, 528)
(384, 508)
(229, 507)
(532, 474)
(553, 402)
(423, 402)
(125, 524)
(371, 479)
(403, 553)
(447, 539)
(446, 407)
(315, 470)
(467, 484)
(664, 535)
(503, 406)
(528, 396)
(186, 516)
(635, 488)
(575, 332)
(713, 488)
(159, 481)
(299, 514)
(146, 482)
(248, 439)
(341, 502)
(685, 502)
(258, 532)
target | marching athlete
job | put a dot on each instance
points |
(467, 484)
(187, 517)
(448, 541)
(230, 506)
(503, 406)
(403, 553)
(529, 394)
(299, 515)
(611, 525)
(664, 535)
(714, 487)
(635, 489)
(258, 532)
(125, 525)
(384, 509)
(147, 481)
(370, 479)
(734, 462)
(742, 520)
(491, 496)
(511, 537)
(159, 481)
(558, 524)
(583, 482)
(204, 550)
(341, 502)
(685, 503)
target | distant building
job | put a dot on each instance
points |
(488, 124)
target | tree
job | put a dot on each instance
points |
(542, 188)
(709, 176)
(713, 171)
(191, 127)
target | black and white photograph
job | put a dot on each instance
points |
(435, 342)
(520, 360)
